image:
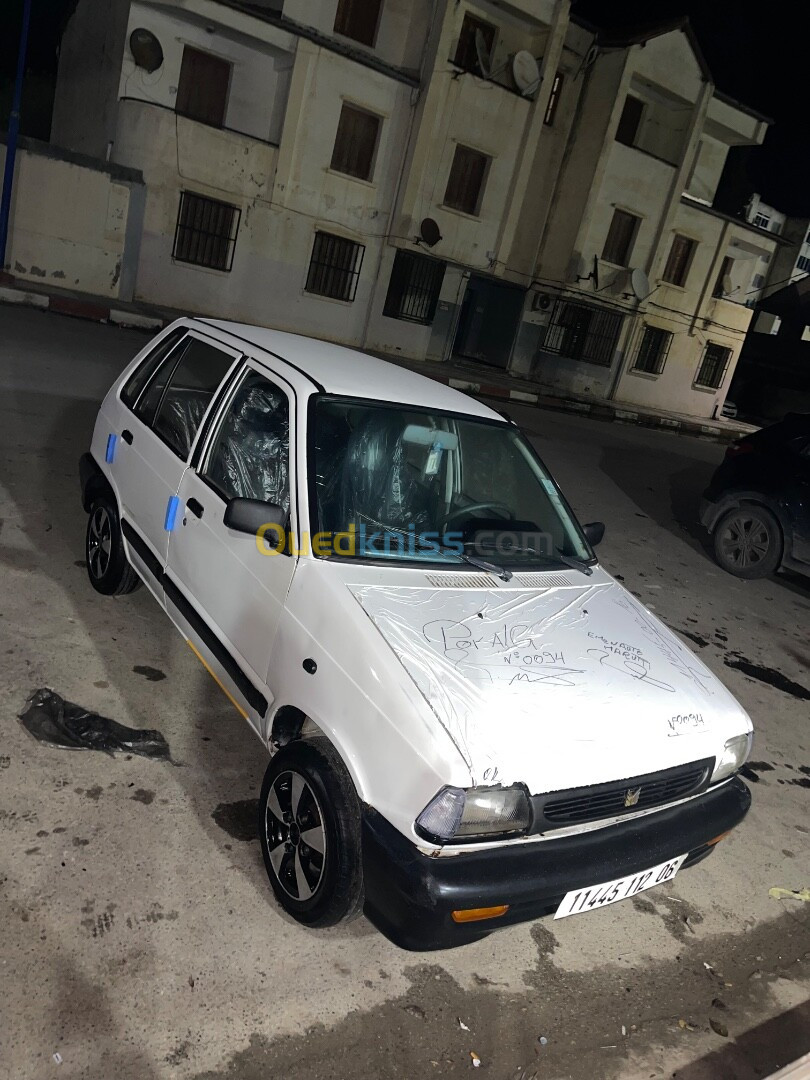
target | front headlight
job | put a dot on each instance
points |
(734, 756)
(477, 813)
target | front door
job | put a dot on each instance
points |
(158, 429)
(234, 582)
(488, 323)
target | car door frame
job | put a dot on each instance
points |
(230, 669)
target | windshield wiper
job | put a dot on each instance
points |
(473, 560)
(575, 563)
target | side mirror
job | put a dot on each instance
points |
(594, 532)
(248, 516)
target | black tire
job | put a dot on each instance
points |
(107, 566)
(327, 814)
(748, 542)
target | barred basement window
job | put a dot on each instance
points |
(652, 350)
(334, 268)
(583, 332)
(413, 291)
(206, 231)
(713, 366)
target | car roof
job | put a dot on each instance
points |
(351, 373)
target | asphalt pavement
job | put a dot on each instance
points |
(140, 938)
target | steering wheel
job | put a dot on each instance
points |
(463, 511)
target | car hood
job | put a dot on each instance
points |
(558, 687)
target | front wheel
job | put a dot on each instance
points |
(309, 827)
(748, 542)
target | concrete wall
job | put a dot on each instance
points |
(260, 73)
(400, 33)
(84, 111)
(75, 222)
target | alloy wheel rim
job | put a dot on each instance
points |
(745, 541)
(295, 834)
(99, 542)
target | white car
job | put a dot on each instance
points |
(470, 722)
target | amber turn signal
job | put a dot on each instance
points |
(476, 914)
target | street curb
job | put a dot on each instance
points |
(88, 309)
(81, 309)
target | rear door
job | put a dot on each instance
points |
(230, 587)
(801, 547)
(164, 412)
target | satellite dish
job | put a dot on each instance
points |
(525, 72)
(727, 285)
(429, 232)
(639, 284)
(146, 49)
(482, 52)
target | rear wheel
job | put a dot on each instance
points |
(107, 566)
(309, 827)
(748, 542)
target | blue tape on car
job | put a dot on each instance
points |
(171, 513)
(109, 457)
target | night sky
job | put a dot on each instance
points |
(761, 59)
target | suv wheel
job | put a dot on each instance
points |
(309, 827)
(748, 542)
(107, 565)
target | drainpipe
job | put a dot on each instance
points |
(13, 134)
(416, 95)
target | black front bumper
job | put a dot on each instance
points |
(410, 896)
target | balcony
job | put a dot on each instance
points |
(173, 150)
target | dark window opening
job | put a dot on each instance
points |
(466, 55)
(355, 142)
(583, 332)
(679, 260)
(334, 268)
(413, 291)
(206, 232)
(723, 278)
(358, 20)
(652, 350)
(465, 184)
(620, 237)
(202, 92)
(554, 100)
(630, 120)
(713, 366)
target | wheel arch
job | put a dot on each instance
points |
(94, 482)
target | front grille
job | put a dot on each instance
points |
(581, 805)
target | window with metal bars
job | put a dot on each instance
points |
(465, 185)
(413, 291)
(334, 268)
(620, 237)
(652, 350)
(679, 259)
(206, 231)
(583, 332)
(713, 366)
(356, 142)
(358, 20)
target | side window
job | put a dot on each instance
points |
(147, 368)
(191, 386)
(250, 455)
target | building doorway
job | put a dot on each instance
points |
(488, 321)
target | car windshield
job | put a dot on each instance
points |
(391, 483)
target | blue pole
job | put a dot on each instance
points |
(13, 134)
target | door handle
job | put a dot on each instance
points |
(126, 435)
(195, 507)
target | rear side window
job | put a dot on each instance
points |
(191, 386)
(146, 369)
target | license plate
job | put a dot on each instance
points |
(610, 892)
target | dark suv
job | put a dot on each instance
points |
(757, 506)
